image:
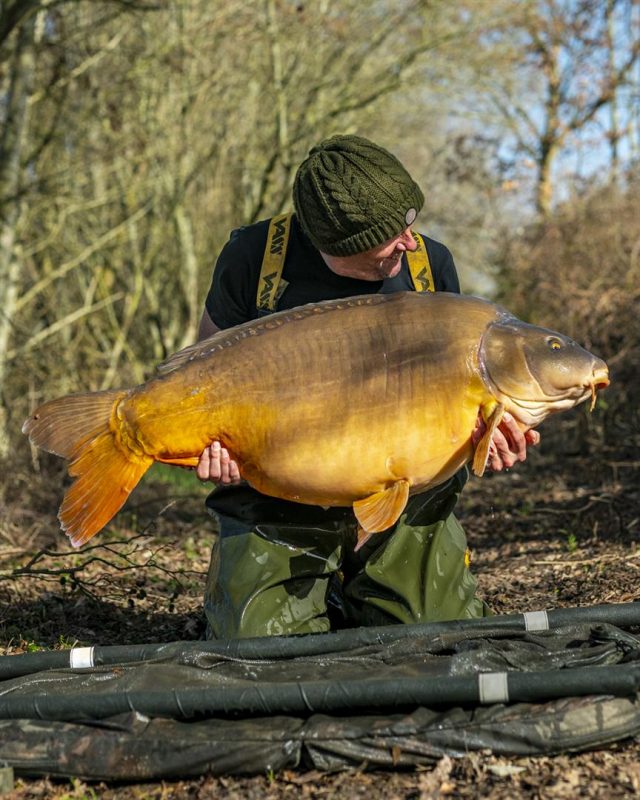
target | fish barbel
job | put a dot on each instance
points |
(358, 402)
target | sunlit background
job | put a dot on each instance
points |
(137, 133)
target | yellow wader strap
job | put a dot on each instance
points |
(270, 283)
(419, 266)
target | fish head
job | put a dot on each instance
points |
(535, 371)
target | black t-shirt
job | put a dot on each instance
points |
(232, 296)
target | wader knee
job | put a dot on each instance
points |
(421, 574)
(270, 580)
(420, 571)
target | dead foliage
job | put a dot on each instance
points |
(579, 273)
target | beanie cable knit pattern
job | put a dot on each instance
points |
(351, 195)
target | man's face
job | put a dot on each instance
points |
(383, 261)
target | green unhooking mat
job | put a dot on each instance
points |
(542, 682)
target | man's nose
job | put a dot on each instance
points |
(406, 241)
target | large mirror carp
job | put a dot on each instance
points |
(357, 402)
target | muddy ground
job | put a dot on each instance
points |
(561, 530)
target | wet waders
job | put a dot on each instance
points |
(269, 576)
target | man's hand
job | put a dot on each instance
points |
(217, 466)
(509, 443)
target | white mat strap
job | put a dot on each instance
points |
(493, 687)
(81, 657)
(536, 621)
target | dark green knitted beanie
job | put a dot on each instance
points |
(351, 195)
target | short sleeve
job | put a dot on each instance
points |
(449, 278)
(231, 297)
(445, 275)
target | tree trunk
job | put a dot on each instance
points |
(12, 148)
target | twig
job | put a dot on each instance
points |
(580, 562)
(120, 558)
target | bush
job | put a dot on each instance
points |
(579, 273)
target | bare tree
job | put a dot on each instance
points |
(36, 88)
(12, 149)
(566, 69)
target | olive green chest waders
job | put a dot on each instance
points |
(295, 570)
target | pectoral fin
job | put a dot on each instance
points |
(379, 511)
(482, 450)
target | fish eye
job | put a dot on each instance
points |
(554, 344)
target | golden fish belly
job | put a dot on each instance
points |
(336, 457)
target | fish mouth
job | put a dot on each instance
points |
(599, 381)
(532, 412)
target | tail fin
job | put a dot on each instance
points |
(78, 429)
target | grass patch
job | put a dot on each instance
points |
(177, 478)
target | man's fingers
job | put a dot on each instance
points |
(515, 440)
(229, 470)
(202, 470)
(234, 472)
(217, 466)
(494, 461)
(224, 466)
(502, 456)
(478, 431)
(532, 437)
(508, 442)
(208, 468)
